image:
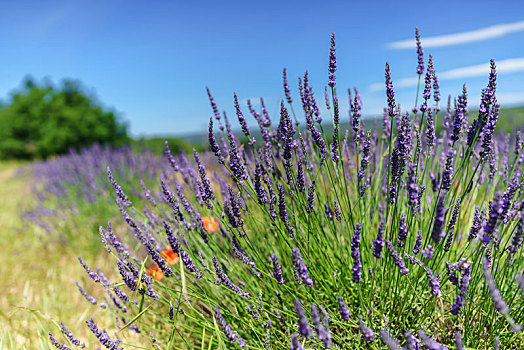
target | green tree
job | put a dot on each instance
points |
(41, 120)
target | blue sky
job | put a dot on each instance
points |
(151, 60)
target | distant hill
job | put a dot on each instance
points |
(509, 118)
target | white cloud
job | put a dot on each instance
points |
(491, 32)
(510, 65)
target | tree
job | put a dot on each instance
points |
(41, 120)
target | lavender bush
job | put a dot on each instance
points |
(72, 190)
(399, 237)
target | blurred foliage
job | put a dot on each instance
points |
(42, 119)
(157, 145)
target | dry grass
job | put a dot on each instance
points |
(37, 287)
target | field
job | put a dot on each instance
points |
(403, 232)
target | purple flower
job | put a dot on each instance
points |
(213, 143)
(366, 332)
(90, 272)
(460, 299)
(427, 84)
(277, 270)
(500, 304)
(451, 225)
(420, 53)
(436, 89)
(397, 259)
(356, 106)
(430, 130)
(286, 132)
(56, 344)
(447, 175)
(207, 192)
(378, 243)
(336, 121)
(434, 282)
(213, 104)
(170, 158)
(223, 278)
(430, 342)
(287, 92)
(282, 211)
(189, 264)
(438, 223)
(310, 198)
(390, 92)
(332, 62)
(102, 336)
(343, 309)
(119, 192)
(295, 343)
(355, 254)
(364, 163)
(231, 335)
(478, 219)
(326, 97)
(516, 242)
(418, 243)
(460, 115)
(490, 228)
(70, 336)
(300, 268)
(242, 121)
(428, 252)
(412, 343)
(402, 231)
(390, 342)
(338, 213)
(86, 295)
(303, 326)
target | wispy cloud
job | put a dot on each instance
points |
(510, 65)
(491, 32)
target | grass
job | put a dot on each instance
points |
(37, 278)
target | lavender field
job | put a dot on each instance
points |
(313, 231)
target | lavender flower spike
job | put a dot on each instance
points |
(277, 270)
(90, 272)
(56, 344)
(102, 336)
(420, 53)
(70, 336)
(355, 254)
(303, 323)
(119, 192)
(86, 295)
(230, 334)
(343, 309)
(300, 268)
(500, 304)
(438, 224)
(460, 299)
(287, 92)
(434, 282)
(242, 121)
(390, 92)
(332, 62)
(366, 332)
(430, 343)
(295, 343)
(378, 243)
(389, 340)
(397, 259)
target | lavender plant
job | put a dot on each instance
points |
(381, 234)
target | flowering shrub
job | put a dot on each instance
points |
(394, 238)
(72, 189)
